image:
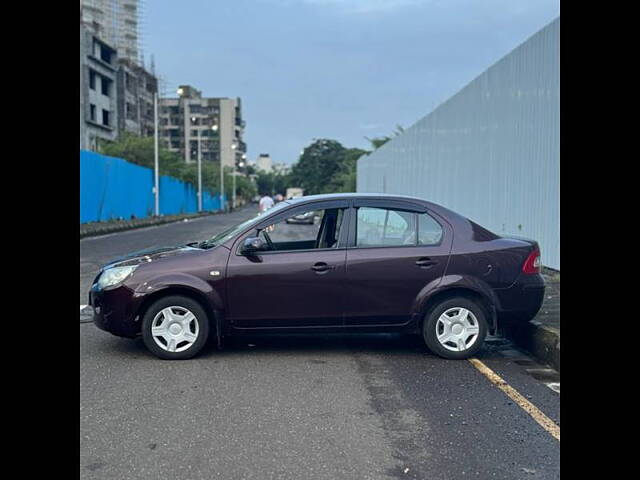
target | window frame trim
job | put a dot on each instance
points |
(391, 205)
(289, 212)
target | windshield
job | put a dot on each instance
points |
(222, 237)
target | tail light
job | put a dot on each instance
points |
(532, 263)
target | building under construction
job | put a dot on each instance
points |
(116, 91)
(116, 22)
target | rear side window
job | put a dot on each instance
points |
(429, 231)
(380, 227)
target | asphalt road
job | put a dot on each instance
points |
(301, 407)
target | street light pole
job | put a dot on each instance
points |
(193, 121)
(199, 174)
(221, 182)
(156, 183)
(233, 198)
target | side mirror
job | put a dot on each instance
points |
(252, 245)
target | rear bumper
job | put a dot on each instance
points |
(114, 310)
(522, 301)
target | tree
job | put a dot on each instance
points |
(345, 180)
(272, 183)
(319, 163)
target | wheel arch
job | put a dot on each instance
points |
(213, 315)
(482, 298)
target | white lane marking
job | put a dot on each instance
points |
(544, 421)
(555, 386)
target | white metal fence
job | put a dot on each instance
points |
(492, 151)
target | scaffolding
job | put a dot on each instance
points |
(118, 23)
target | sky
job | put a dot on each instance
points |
(338, 69)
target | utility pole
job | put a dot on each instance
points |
(156, 183)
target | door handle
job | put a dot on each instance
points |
(321, 267)
(425, 262)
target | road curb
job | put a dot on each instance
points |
(542, 341)
(103, 228)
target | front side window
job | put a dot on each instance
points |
(306, 230)
(381, 227)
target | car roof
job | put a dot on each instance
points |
(341, 196)
(445, 212)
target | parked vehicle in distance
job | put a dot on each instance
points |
(294, 192)
(372, 263)
(306, 217)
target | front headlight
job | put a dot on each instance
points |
(115, 275)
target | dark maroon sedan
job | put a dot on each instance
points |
(370, 263)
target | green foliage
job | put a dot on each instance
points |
(272, 183)
(326, 166)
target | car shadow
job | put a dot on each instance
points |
(362, 343)
(371, 343)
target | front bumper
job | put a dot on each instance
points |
(114, 310)
(521, 302)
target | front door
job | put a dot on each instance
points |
(298, 280)
(394, 254)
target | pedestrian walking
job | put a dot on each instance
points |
(266, 202)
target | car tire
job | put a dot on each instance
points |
(166, 326)
(451, 333)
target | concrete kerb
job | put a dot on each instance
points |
(542, 341)
(102, 228)
(541, 336)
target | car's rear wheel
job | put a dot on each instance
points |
(175, 328)
(455, 328)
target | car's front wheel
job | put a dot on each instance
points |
(175, 328)
(455, 329)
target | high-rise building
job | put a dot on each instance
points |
(136, 88)
(216, 121)
(114, 23)
(98, 97)
(117, 23)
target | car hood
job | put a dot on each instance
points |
(151, 255)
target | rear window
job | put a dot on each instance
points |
(382, 227)
(429, 231)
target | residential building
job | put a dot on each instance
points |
(98, 96)
(490, 152)
(216, 121)
(264, 163)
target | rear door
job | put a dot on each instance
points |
(395, 250)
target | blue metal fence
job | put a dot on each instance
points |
(113, 188)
